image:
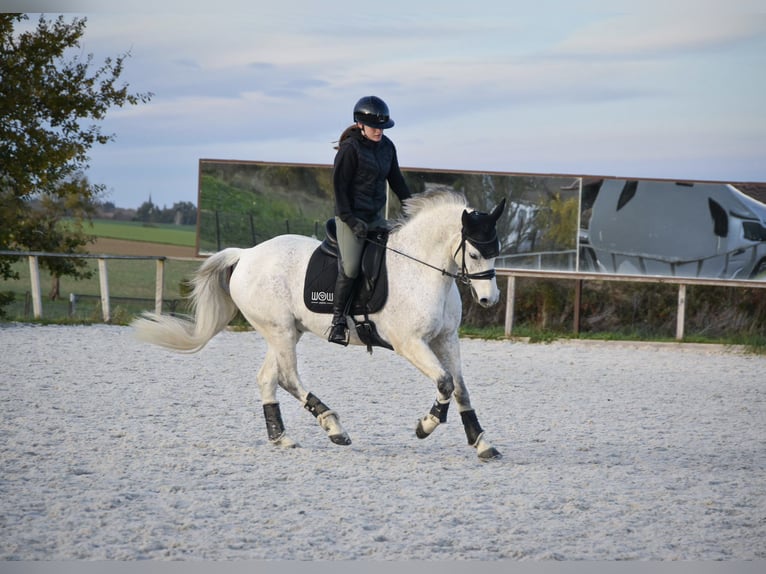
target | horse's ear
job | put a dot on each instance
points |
(498, 211)
(464, 219)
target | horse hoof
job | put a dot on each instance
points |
(490, 454)
(285, 442)
(342, 439)
(426, 426)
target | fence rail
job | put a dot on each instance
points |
(106, 313)
(580, 277)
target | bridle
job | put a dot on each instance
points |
(487, 248)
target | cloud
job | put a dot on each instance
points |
(678, 29)
(595, 86)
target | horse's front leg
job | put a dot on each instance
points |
(476, 436)
(448, 350)
(423, 358)
(436, 416)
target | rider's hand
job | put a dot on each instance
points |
(359, 229)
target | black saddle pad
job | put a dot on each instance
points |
(322, 272)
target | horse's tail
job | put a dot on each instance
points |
(212, 309)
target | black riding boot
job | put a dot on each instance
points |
(344, 288)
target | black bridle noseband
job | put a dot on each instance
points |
(488, 249)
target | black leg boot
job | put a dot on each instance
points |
(344, 288)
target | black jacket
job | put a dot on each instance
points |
(361, 170)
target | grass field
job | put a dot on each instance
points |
(131, 281)
(184, 235)
(131, 290)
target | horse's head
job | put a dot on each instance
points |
(479, 246)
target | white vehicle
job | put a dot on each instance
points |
(678, 229)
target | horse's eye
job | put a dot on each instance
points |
(473, 256)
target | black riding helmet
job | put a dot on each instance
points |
(373, 112)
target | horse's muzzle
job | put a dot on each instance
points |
(486, 300)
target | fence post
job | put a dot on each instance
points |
(158, 285)
(680, 317)
(104, 283)
(577, 303)
(509, 305)
(34, 276)
(217, 231)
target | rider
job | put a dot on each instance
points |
(365, 160)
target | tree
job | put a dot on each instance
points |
(147, 212)
(183, 213)
(51, 100)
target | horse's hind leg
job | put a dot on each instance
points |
(328, 419)
(280, 368)
(268, 378)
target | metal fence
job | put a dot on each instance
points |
(219, 229)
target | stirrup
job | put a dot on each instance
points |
(339, 334)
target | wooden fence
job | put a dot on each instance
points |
(512, 274)
(579, 278)
(103, 275)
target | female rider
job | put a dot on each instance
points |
(365, 160)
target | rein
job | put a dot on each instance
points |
(464, 277)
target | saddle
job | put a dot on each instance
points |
(372, 284)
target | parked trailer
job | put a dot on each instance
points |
(677, 229)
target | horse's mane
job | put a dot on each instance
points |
(427, 200)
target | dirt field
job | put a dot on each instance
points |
(122, 247)
(113, 449)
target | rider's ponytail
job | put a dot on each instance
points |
(346, 134)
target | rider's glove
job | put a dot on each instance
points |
(359, 229)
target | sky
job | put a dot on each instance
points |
(652, 89)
